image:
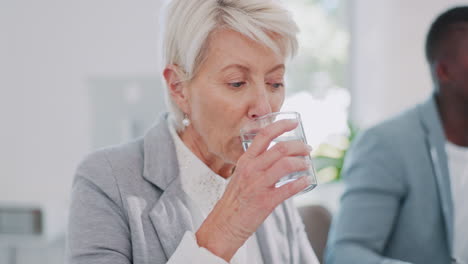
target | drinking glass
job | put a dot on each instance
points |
(249, 131)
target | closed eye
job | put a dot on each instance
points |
(237, 84)
(276, 85)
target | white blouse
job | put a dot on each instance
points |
(205, 188)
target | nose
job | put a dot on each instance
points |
(260, 105)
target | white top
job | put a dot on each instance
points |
(458, 169)
(205, 188)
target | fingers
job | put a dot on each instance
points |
(280, 150)
(285, 166)
(290, 189)
(267, 134)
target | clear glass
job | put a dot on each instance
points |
(249, 131)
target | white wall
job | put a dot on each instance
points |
(48, 50)
(388, 69)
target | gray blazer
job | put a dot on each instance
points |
(397, 204)
(128, 207)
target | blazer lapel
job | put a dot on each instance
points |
(435, 140)
(172, 214)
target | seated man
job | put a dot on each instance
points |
(407, 178)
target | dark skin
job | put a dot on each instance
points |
(450, 69)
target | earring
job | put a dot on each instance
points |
(186, 121)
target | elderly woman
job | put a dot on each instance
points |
(187, 192)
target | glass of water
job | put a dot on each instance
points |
(249, 131)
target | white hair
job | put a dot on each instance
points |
(187, 24)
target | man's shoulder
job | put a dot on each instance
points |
(401, 125)
(402, 133)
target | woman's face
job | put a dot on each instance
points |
(239, 80)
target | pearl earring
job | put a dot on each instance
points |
(186, 121)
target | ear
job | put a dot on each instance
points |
(177, 88)
(441, 71)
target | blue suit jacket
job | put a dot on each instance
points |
(397, 205)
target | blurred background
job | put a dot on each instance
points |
(80, 75)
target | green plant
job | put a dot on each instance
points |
(329, 156)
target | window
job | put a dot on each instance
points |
(316, 80)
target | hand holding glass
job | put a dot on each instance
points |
(249, 131)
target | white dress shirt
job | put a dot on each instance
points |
(458, 169)
(205, 188)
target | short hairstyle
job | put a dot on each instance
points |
(441, 29)
(187, 25)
